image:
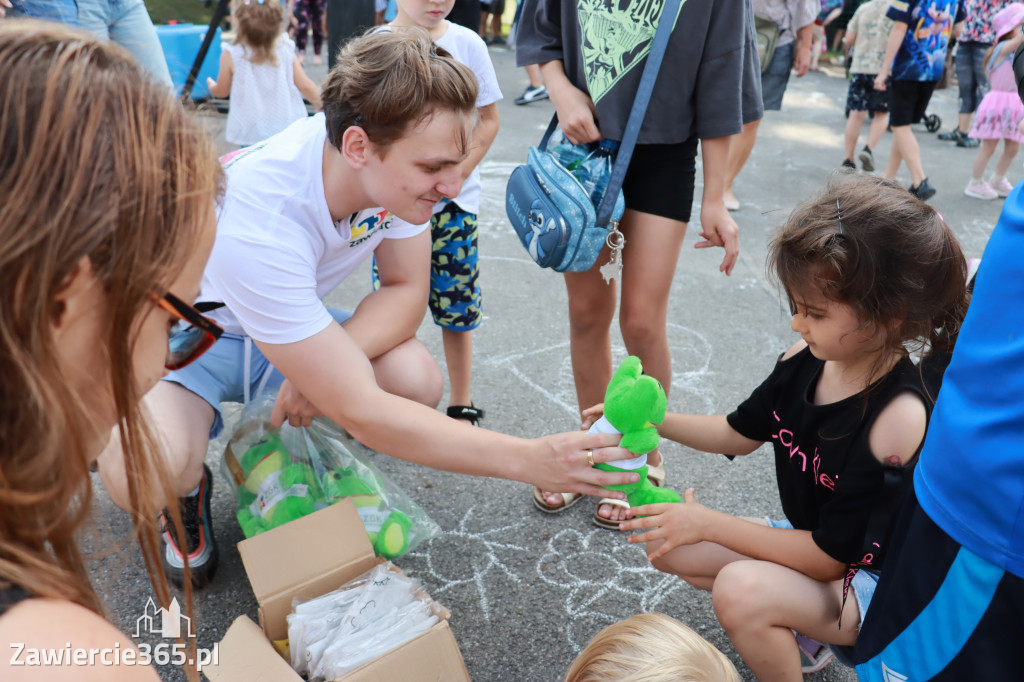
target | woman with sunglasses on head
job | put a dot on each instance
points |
(107, 193)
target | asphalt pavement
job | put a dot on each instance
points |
(527, 590)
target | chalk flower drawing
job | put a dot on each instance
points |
(464, 556)
(597, 569)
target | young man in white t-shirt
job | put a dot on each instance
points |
(297, 217)
(455, 298)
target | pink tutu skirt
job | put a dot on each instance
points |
(998, 116)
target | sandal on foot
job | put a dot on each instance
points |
(608, 523)
(655, 474)
(568, 500)
(470, 413)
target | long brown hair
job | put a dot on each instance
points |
(259, 27)
(867, 243)
(96, 160)
(386, 81)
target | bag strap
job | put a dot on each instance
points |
(636, 115)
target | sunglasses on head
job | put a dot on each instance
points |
(192, 335)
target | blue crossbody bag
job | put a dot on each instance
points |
(554, 218)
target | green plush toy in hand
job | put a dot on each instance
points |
(634, 405)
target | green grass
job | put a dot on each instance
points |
(183, 11)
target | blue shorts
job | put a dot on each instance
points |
(863, 584)
(776, 77)
(220, 375)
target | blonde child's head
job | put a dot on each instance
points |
(259, 26)
(387, 81)
(867, 243)
(650, 647)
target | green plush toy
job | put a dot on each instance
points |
(261, 460)
(634, 405)
(387, 529)
(276, 489)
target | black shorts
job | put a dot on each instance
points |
(862, 96)
(660, 179)
(940, 612)
(908, 100)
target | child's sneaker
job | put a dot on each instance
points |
(1002, 186)
(847, 163)
(867, 160)
(813, 654)
(979, 189)
(924, 191)
(200, 545)
(532, 93)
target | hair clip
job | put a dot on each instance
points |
(358, 120)
(839, 216)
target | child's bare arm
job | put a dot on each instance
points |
(222, 86)
(691, 522)
(305, 84)
(708, 433)
(483, 136)
(899, 429)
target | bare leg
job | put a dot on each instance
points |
(964, 122)
(409, 370)
(877, 128)
(591, 310)
(759, 603)
(852, 132)
(740, 147)
(1010, 149)
(533, 73)
(181, 422)
(895, 159)
(988, 148)
(648, 266)
(903, 138)
(458, 354)
(496, 25)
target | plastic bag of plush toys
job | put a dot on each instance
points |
(281, 474)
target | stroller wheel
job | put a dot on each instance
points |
(932, 123)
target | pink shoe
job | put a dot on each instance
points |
(814, 655)
(979, 189)
(1002, 186)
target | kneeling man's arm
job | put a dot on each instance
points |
(392, 314)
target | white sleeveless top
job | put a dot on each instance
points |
(264, 98)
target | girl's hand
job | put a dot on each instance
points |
(880, 81)
(719, 229)
(592, 414)
(4, 6)
(675, 524)
(576, 112)
(211, 84)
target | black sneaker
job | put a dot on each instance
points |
(849, 164)
(867, 160)
(968, 142)
(200, 544)
(924, 191)
(532, 93)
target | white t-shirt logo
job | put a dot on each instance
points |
(365, 228)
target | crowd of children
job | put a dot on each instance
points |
(388, 169)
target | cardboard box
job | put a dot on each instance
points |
(309, 557)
